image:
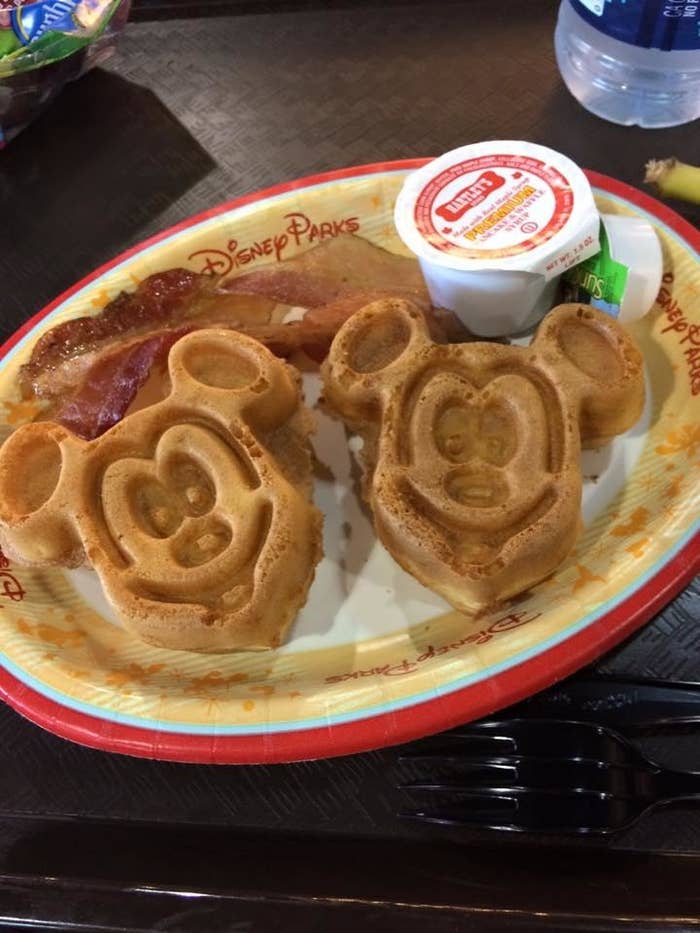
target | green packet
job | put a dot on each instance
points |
(600, 280)
(49, 30)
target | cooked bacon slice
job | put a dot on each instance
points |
(332, 270)
(92, 368)
(166, 299)
(113, 378)
(154, 304)
(335, 271)
(111, 384)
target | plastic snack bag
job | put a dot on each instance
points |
(44, 45)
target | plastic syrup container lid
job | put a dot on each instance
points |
(499, 205)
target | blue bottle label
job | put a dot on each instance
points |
(71, 17)
(668, 25)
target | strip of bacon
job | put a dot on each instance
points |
(111, 384)
(332, 270)
(62, 354)
(153, 305)
(92, 368)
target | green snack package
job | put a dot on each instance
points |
(599, 280)
(8, 42)
(49, 30)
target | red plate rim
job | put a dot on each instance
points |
(396, 726)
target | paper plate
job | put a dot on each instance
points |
(374, 658)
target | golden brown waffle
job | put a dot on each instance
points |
(195, 512)
(471, 451)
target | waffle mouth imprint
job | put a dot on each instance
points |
(474, 474)
(195, 512)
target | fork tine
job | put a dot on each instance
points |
(487, 739)
(551, 739)
(529, 811)
(494, 775)
(495, 812)
(557, 738)
(489, 773)
(457, 747)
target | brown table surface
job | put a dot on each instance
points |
(188, 113)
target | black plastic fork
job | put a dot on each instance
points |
(524, 775)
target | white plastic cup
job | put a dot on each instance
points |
(493, 302)
(493, 225)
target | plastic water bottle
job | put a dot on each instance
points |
(632, 61)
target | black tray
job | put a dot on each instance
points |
(188, 113)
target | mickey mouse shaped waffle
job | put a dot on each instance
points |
(195, 512)
(471, 451)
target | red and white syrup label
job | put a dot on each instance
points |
(493, 206)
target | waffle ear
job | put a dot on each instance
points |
(363, 359)
(208, 368)
(600, 366)
(32, 470)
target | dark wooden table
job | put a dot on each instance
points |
(188, 113)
